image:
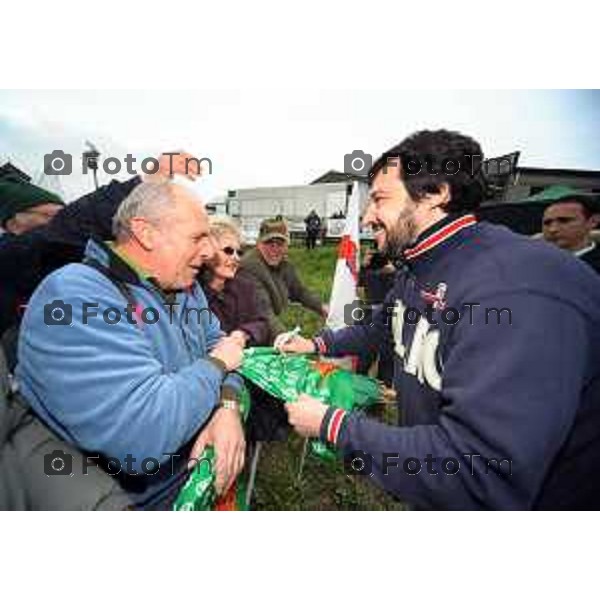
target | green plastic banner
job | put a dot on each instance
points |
(285, 376)
(199, 491)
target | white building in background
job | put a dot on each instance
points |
(328, 196)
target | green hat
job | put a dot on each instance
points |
(19, 196)
(273, 229)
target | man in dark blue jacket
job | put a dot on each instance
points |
(496, 340)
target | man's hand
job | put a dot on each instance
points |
(239, 336)
(225, 433)
(175, 163)
(297, 345)
(306, 415)
(229, 351)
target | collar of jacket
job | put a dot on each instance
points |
(256, 256)
(105, 255)
(439, 236)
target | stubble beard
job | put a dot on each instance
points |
(401, 235)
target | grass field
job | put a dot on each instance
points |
(323, 486)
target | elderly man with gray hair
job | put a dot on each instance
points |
(121, 357)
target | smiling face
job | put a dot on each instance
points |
(273, 251)
(183, 246)
(391, 213)
(226, 260)
(172, 245)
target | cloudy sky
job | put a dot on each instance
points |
(269, 138)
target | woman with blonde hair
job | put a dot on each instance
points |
(232, 296)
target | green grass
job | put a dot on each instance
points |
(323, 485)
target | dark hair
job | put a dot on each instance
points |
(587, 204)
(432, 158)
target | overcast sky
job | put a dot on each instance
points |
(269, 138)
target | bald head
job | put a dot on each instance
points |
(163, 228)
(153, 202)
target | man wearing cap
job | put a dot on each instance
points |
(24, 206)
(568, 223)
(276, 279)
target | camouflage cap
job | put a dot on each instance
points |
(274, 229)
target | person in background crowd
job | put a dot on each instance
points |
(153, 384)
(568, 223)
(25, 207)
(496, 343)
(376, 277)
(233, 299)
(232, 296)
(275, 277)
(313, 229)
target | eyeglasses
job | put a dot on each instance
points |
(230, 251)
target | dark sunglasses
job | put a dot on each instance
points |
(231, 251)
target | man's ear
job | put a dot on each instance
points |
(594, 221)
(440, 199)
(144, 232)
(11, 226)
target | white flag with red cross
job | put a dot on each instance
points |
(345, 281)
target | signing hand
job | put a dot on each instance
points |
(306, 415)
(296, 345)
(225, 433)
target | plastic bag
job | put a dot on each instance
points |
(199, 491)
(285, 376)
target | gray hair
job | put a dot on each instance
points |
(220, 225)
(148, 200)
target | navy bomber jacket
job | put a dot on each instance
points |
(496, 343)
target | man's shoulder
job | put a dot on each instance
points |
(75, 282)
(592, 258)
(287, 268)
(498, 260)
(253, 264)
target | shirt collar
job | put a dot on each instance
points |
(438, 234)
(124, 268)
(585, 250)
(132, 264)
